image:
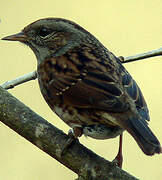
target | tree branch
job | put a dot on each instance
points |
(51, 140)
(33, 75)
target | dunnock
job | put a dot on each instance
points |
(86, 85)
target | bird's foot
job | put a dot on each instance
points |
(75, 132)
(118, 161)
(73, 137)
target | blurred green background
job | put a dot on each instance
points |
(124, 27)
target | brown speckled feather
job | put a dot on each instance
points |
(91, 83)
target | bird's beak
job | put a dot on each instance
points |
(16, 37)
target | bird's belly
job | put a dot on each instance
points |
(95, 130)
(101, 131)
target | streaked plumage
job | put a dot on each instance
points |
(85, 84)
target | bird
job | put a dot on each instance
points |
(86, 85)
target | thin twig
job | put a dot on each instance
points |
(20, 80)
(153, 53)
(33, 75)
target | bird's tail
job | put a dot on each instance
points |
(143, 135)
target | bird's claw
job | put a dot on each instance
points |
(118, 162)
(73, 137)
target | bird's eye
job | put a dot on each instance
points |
(43, 32)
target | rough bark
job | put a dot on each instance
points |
(51, 140)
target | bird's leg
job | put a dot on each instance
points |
(73, 136)
(119, 158)
(75, 132)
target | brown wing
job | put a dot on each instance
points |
(96, 90)
(88, 79)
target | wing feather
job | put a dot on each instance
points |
(103, 82)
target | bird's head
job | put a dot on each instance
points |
(51, 36)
